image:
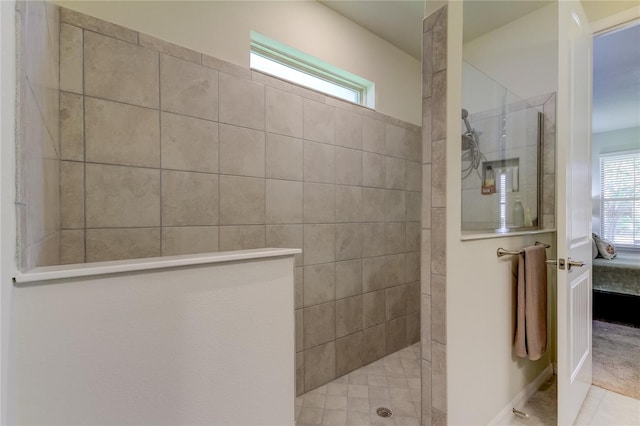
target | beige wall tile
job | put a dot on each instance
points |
(348, 241)
(319, 243)
(425, 326)
(299, 326)
(373, 205)
(120, 71)
(413, 145)
(119, 196)
(97, 25)
(348, 203)
(413, 298)
(396, 302)
(121, 134)
(320, 366)
(413, 236)
(187, 88)
(319, 203)
(373, 170)
(412, 267)
(395, 234)
(71, 246)
(348, 354)
(319, 122)
(373, 135)
(425, 263)
(348, 128)
(396, 332)
(439, 174)
(242, 237)
(319, 162)
(413, 328)
(319, 284)
(189, 199)
(169, 48)
(71, 127)
(395, 210)
(70, 58)
(348, 315)
(284, 201)
(426, 196)
(439, 242)
(438, 309)
(116, 244)
(299, 373)
(242, 200)
(348, 166)
(283, 113)
(242, 102)
(189, 239)
(395, 173)
(348, 278)
(319, 324)
(439, 106)
(188, 143)
(413, 178)
(242, 151)
(373, 239)
(286, 236)
(226, 67)
(395, 140)
(373, 273)
(439, 377)
(373, 343)
(413, 205)
(394, 270)
(71, 195)
(426, 129)
(373, 306)
(284, 157)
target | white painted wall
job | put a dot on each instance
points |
(202, 344)
(483, 374)
(8, 265)
(221, 29)
(604, 143)
(522, 55)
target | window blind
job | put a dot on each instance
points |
(620, 198)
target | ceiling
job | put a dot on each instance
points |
(616, 92)
(616, 80)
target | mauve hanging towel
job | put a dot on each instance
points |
(531, 313)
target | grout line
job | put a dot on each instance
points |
(159, 141)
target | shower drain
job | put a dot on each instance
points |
(384, 412)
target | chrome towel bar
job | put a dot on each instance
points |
(502, 252)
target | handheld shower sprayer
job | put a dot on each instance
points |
(470, 147)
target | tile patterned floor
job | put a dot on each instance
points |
(392, 382)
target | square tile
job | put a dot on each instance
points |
(284, 201)
(319, 243)
(299, 326)
(348, 354)
(187, 88)
(319, 203)
(373, 239)
(242, 200)
(348, 315)
(395, 173)
(373, 205)
(395, 137)
(413, 177)
(118, 244)
(348, 278)
(348, 203)
(373, 273)
(394, 270)
(71, 58)
(319, 284)
(373, 170)
(283, 113)
(283, 157)
(319, 162)
(285, 236)
(189, 239)
(188, 143)
(242, 151)
(189, 199)
(396, 302)
(373, 343)
(242, 237)
(348, 166)
(71, 246)
(348, 128)
(412, 267)
(373, 135)
(120, 71)
(348, 241)
(242, 102)
(71, 195)
(320, 365)
(319, 122)
(373, 307)
(396, 331)
(109, 188)
(71, 127)
(319, 324)
(395, 234)
(395, 206)
(412, 241)
(122, 134)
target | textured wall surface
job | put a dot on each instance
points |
(38, 148)
(168, 151)
(434, 216)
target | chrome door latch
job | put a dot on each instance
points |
(561, 264)
(571, 263)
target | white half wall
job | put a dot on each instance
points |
(222, 29)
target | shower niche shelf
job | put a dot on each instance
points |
(506, 174)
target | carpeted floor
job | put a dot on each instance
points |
(616, 358)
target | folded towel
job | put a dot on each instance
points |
(531, 313)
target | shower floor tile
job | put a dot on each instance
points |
(352, 400)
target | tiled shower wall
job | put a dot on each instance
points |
(167, 151)
(434, 216)
(38, 148)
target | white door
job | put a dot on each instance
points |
(574, 209)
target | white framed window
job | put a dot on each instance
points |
(277, 59)
(620, 198)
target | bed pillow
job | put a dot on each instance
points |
(594, 248)
(605, 248)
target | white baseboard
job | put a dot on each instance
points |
(505, 416)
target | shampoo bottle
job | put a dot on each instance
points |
(518, 213)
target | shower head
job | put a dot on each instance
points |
(465, 114)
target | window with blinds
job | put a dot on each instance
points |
(620, 198)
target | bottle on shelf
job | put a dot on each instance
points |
(518, 213)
